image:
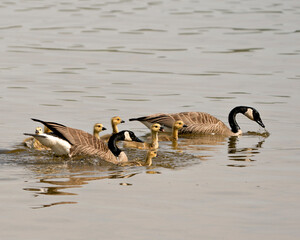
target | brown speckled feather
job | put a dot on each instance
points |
(197, 122)
(82, 142)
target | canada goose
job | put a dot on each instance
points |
(98, 127)
(174, 137)
(203, 123)
(33, 143)
(155, 128)
(71, 142)
(148, 161)
(114, 122)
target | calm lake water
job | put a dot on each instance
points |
(82, 62)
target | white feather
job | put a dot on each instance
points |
(249, 114)
(127, 136)
(58, 145)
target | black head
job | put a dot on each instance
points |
(129, 136)
(253, 114)
(256, 118)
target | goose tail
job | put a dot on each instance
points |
(34, 135)
(137, 119)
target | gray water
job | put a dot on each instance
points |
(82, 62)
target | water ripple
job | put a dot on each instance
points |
(81, 50)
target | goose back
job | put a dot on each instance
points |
(82, 143)
(198, 122)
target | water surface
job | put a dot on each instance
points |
(82, 62)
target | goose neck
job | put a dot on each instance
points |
(96, 134)
(114, 127)
(148, 161)
(112, 144)
(154, 137)
(174, 134)
(235, 128)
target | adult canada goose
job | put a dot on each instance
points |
(155, 128)
(203, 123)
(98, 127)
(71, 142)
(33, 143)
(148, 161)
(115, 121)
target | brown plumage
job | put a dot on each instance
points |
(202, 123)
(73, 142)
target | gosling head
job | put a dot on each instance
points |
(117, 120)
(98, 127)
(179, 124)
(38, 130)
(253, 115)
(156, 127)
(152, 153)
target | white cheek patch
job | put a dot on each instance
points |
(249, 114)
(127, 136)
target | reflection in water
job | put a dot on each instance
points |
(53, 204)
(244, 154)
(56, 176)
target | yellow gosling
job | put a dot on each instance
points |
(98, 127)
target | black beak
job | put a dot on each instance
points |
(259, 121)
(185, 125)
(122, 121)
(104, 128)
(162, 129)
(136, 139)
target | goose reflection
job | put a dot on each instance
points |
(206, 146)
(58, 176)
(245, 154)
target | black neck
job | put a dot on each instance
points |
(232, 115)
(112, 144)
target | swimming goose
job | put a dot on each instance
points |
(114, 122)
(70, 141)
(33, 143)
(203, 123)
(98, 127)
(155, 128)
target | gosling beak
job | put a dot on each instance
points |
(162, 129)
(185, 125)
(104, 128)
(122, 121)
(259, 121)
(36, 132)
